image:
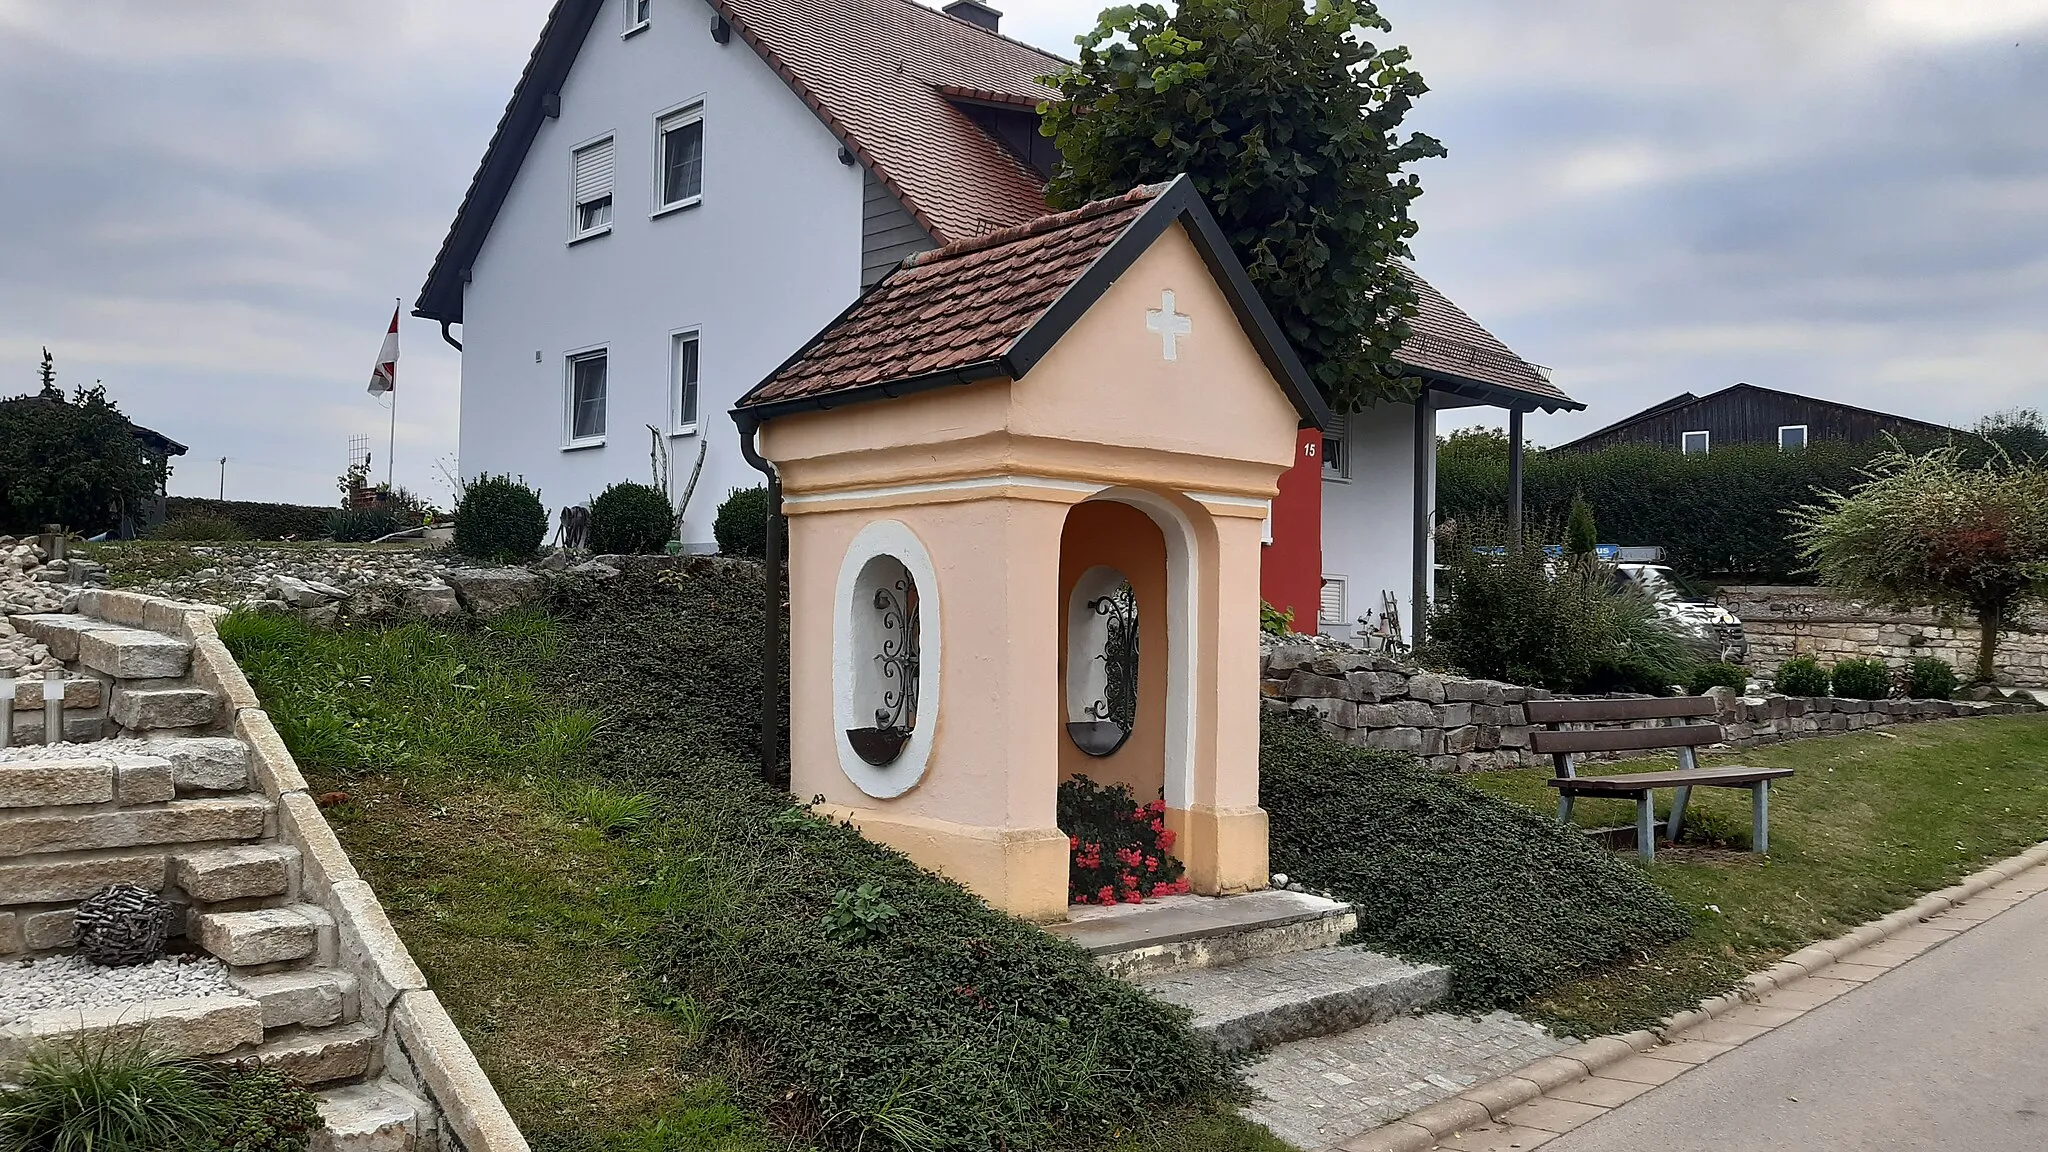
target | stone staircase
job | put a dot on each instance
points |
(172, 779)
(1256, 970)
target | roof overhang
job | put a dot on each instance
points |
(1493, 395)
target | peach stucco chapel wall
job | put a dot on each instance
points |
(984, 478)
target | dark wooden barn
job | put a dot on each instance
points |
(1747, 414)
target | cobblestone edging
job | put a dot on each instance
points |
(422, 1050)
(1461, 725)
(1541, 1099)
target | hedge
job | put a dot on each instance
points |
(261, 521)
(1721, 513)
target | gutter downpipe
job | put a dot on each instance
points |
(451, 341)
(771, 593)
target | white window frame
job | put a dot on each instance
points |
(1340, 583)
(1706, 442)
(690, 111)
(577, 233)
(1804, 438)
(677, 425)
(1341, 473)
(628, 8)
(570, 441)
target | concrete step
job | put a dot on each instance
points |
(192, 1026)
(1178, 933)
(196, 821)
(92, 777)
(234, 872)
(320, 1055)
(375, 1117)
(265, 935)
(1274, 999)
(157, 709)
(310, 997)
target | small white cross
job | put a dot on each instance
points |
(1170, 325)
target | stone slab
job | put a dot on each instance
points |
(132, 654)
(323, 1055)
(313, 998)
(1275, 999)
(454, 1080)
(150, 709)
(259, 936)
(237, 872)
(42, 783)
(204, 763)
(193, 1026)
(61, 881)
(143, 780)
(1172, 919)
(378, 1117)
(178, 822)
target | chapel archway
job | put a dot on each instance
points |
(1117, 647)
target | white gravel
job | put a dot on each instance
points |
(71, 982)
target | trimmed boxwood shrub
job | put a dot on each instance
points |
(631, 519)
(1861, 678)
(198, 527)
(1716, 675)
(500, 520)
(1930, 678)
(1803, 676)
(258, 520)
(741, 527)
(1511, 901)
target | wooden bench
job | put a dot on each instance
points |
(1562, 744)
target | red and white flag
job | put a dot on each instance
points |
(384, 377)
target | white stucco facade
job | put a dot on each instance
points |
(1369, 517)
(769, 255)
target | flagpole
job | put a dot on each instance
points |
(391, 443)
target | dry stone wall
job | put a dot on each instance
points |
(1783, 621)
(1462, 725)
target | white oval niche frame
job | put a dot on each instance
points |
(894, 540)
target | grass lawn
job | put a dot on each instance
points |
(1871, 822)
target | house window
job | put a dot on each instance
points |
(1692, 443)
(1332, 610)
(679, 159)
(1791, 436)
(590, 190)
(683, 380)
(637, 14)
(1336, 461)
(587, 372)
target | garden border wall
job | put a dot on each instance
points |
(423, 1050)
(1783, 621)
(1463, 725)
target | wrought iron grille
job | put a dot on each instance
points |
(897, 666)
(1119, 656)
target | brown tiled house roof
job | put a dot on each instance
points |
(884, 76)
(993, 305)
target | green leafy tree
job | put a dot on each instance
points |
(74, 462)
(1288, 122)
(1581, 538)
(1935, 531)
(2019, 433)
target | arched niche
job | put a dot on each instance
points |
(1103, 639)
(885, 659)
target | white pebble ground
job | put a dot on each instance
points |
(72, 982)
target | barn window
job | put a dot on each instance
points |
(1791, 436)
(1692, 443)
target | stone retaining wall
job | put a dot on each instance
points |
(1461, 725)
(1783, 621)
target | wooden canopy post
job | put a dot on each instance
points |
(1515, 478)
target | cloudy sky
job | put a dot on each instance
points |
(211, 205)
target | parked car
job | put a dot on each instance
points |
(1678, 600)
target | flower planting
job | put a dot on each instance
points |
(1122, 851)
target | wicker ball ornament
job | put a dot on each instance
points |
(121, 925)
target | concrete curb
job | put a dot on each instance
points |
(1487, 1102)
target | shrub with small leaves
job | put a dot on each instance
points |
(359, 525)
(1861, 678)
(500, 520)
(259, 1110)
(1716, 675)
(631, 519)
(1274, 622)
(198, 526)
(741, 527)
(1929, 678)
(1803, 676)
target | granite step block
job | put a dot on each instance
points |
(217, 818)
(236, 872)
(322, 1055)
(310, 997)
(147, 709)
(1259, 1003)
(374, 1117)
(263, 935)
(132, 654)
(191, 1026)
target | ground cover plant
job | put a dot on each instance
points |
(1511, 902)
(1871, 822)
(649, 949)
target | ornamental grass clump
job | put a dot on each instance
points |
(1121, 851)
(1510, 900)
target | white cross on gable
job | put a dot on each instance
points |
(1170, 325)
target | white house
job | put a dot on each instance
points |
(681, 192)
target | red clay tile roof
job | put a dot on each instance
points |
(958, 308)
(878, 72)
(1443, 339)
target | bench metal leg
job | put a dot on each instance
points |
(1678, 800)
(1760, 816)
(1646, 826)
(1564, 806)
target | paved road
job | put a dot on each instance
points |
(1949, 1051)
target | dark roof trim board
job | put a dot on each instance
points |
(1178, 202)
(1685, 399)
(1492, 395)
